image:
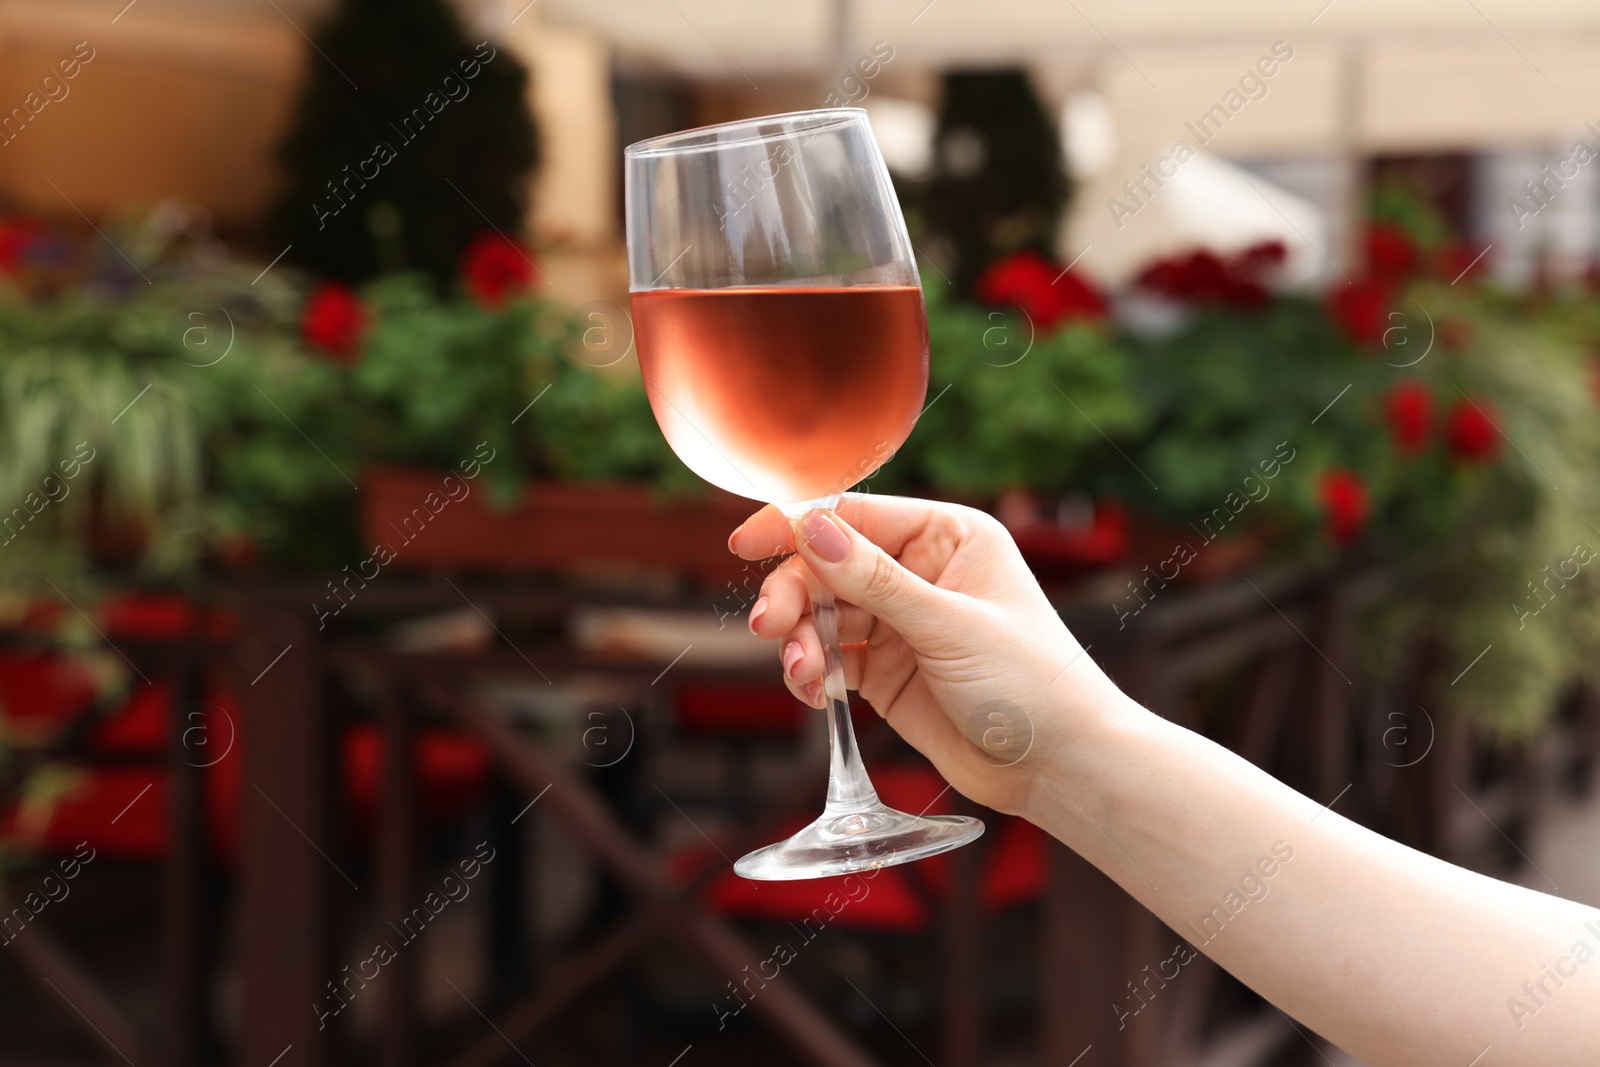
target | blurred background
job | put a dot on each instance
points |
(376, 687)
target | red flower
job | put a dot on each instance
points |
(495, 267)
(334, 321)
(1361, 310)
(1203, 277)
(18, 235)
(1470, 431)
(1409, 407)
(1264, 255)
(1390, 251)
(1047, 295)
(1462, 262)
(1346, 505)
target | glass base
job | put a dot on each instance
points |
(844, 842)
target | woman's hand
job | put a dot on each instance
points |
(943, 629)
(950, 639)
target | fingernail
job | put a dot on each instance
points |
(813, 692)
(825, 539)
(734, 536)
(756, 612)
(792, 655)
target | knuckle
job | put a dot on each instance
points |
(985, 526)
(883, 579)
(958, 523)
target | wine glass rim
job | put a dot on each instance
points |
(702, 138)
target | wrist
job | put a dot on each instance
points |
(1101, 730)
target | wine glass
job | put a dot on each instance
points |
(784, 346)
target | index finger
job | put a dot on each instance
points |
(766, 533)
(890, 522)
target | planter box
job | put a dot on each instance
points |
(625, 528)
(1061, 553)
(555, 527)
(1153, 541)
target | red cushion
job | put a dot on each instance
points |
(87, 811)
(147, 615)
(120, 811)
(41, 690)
(452, 769)
(38, 689)
(141, 724)
(874, 900)
(1014, 870)
(161, 616)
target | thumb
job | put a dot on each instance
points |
(858, 571)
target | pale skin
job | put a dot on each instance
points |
(1397, 957)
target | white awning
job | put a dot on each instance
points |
(1419, 74)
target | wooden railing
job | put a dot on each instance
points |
(1277, 647)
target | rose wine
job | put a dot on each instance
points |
(784, 395)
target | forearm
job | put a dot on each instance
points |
(1396, 956)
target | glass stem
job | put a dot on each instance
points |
(849, 788)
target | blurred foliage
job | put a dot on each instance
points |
(214, 426)
(1220, 395)
(215, 429)
(1484, 548)
(1471, 543)
(1001, 395)
(1400, 202)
